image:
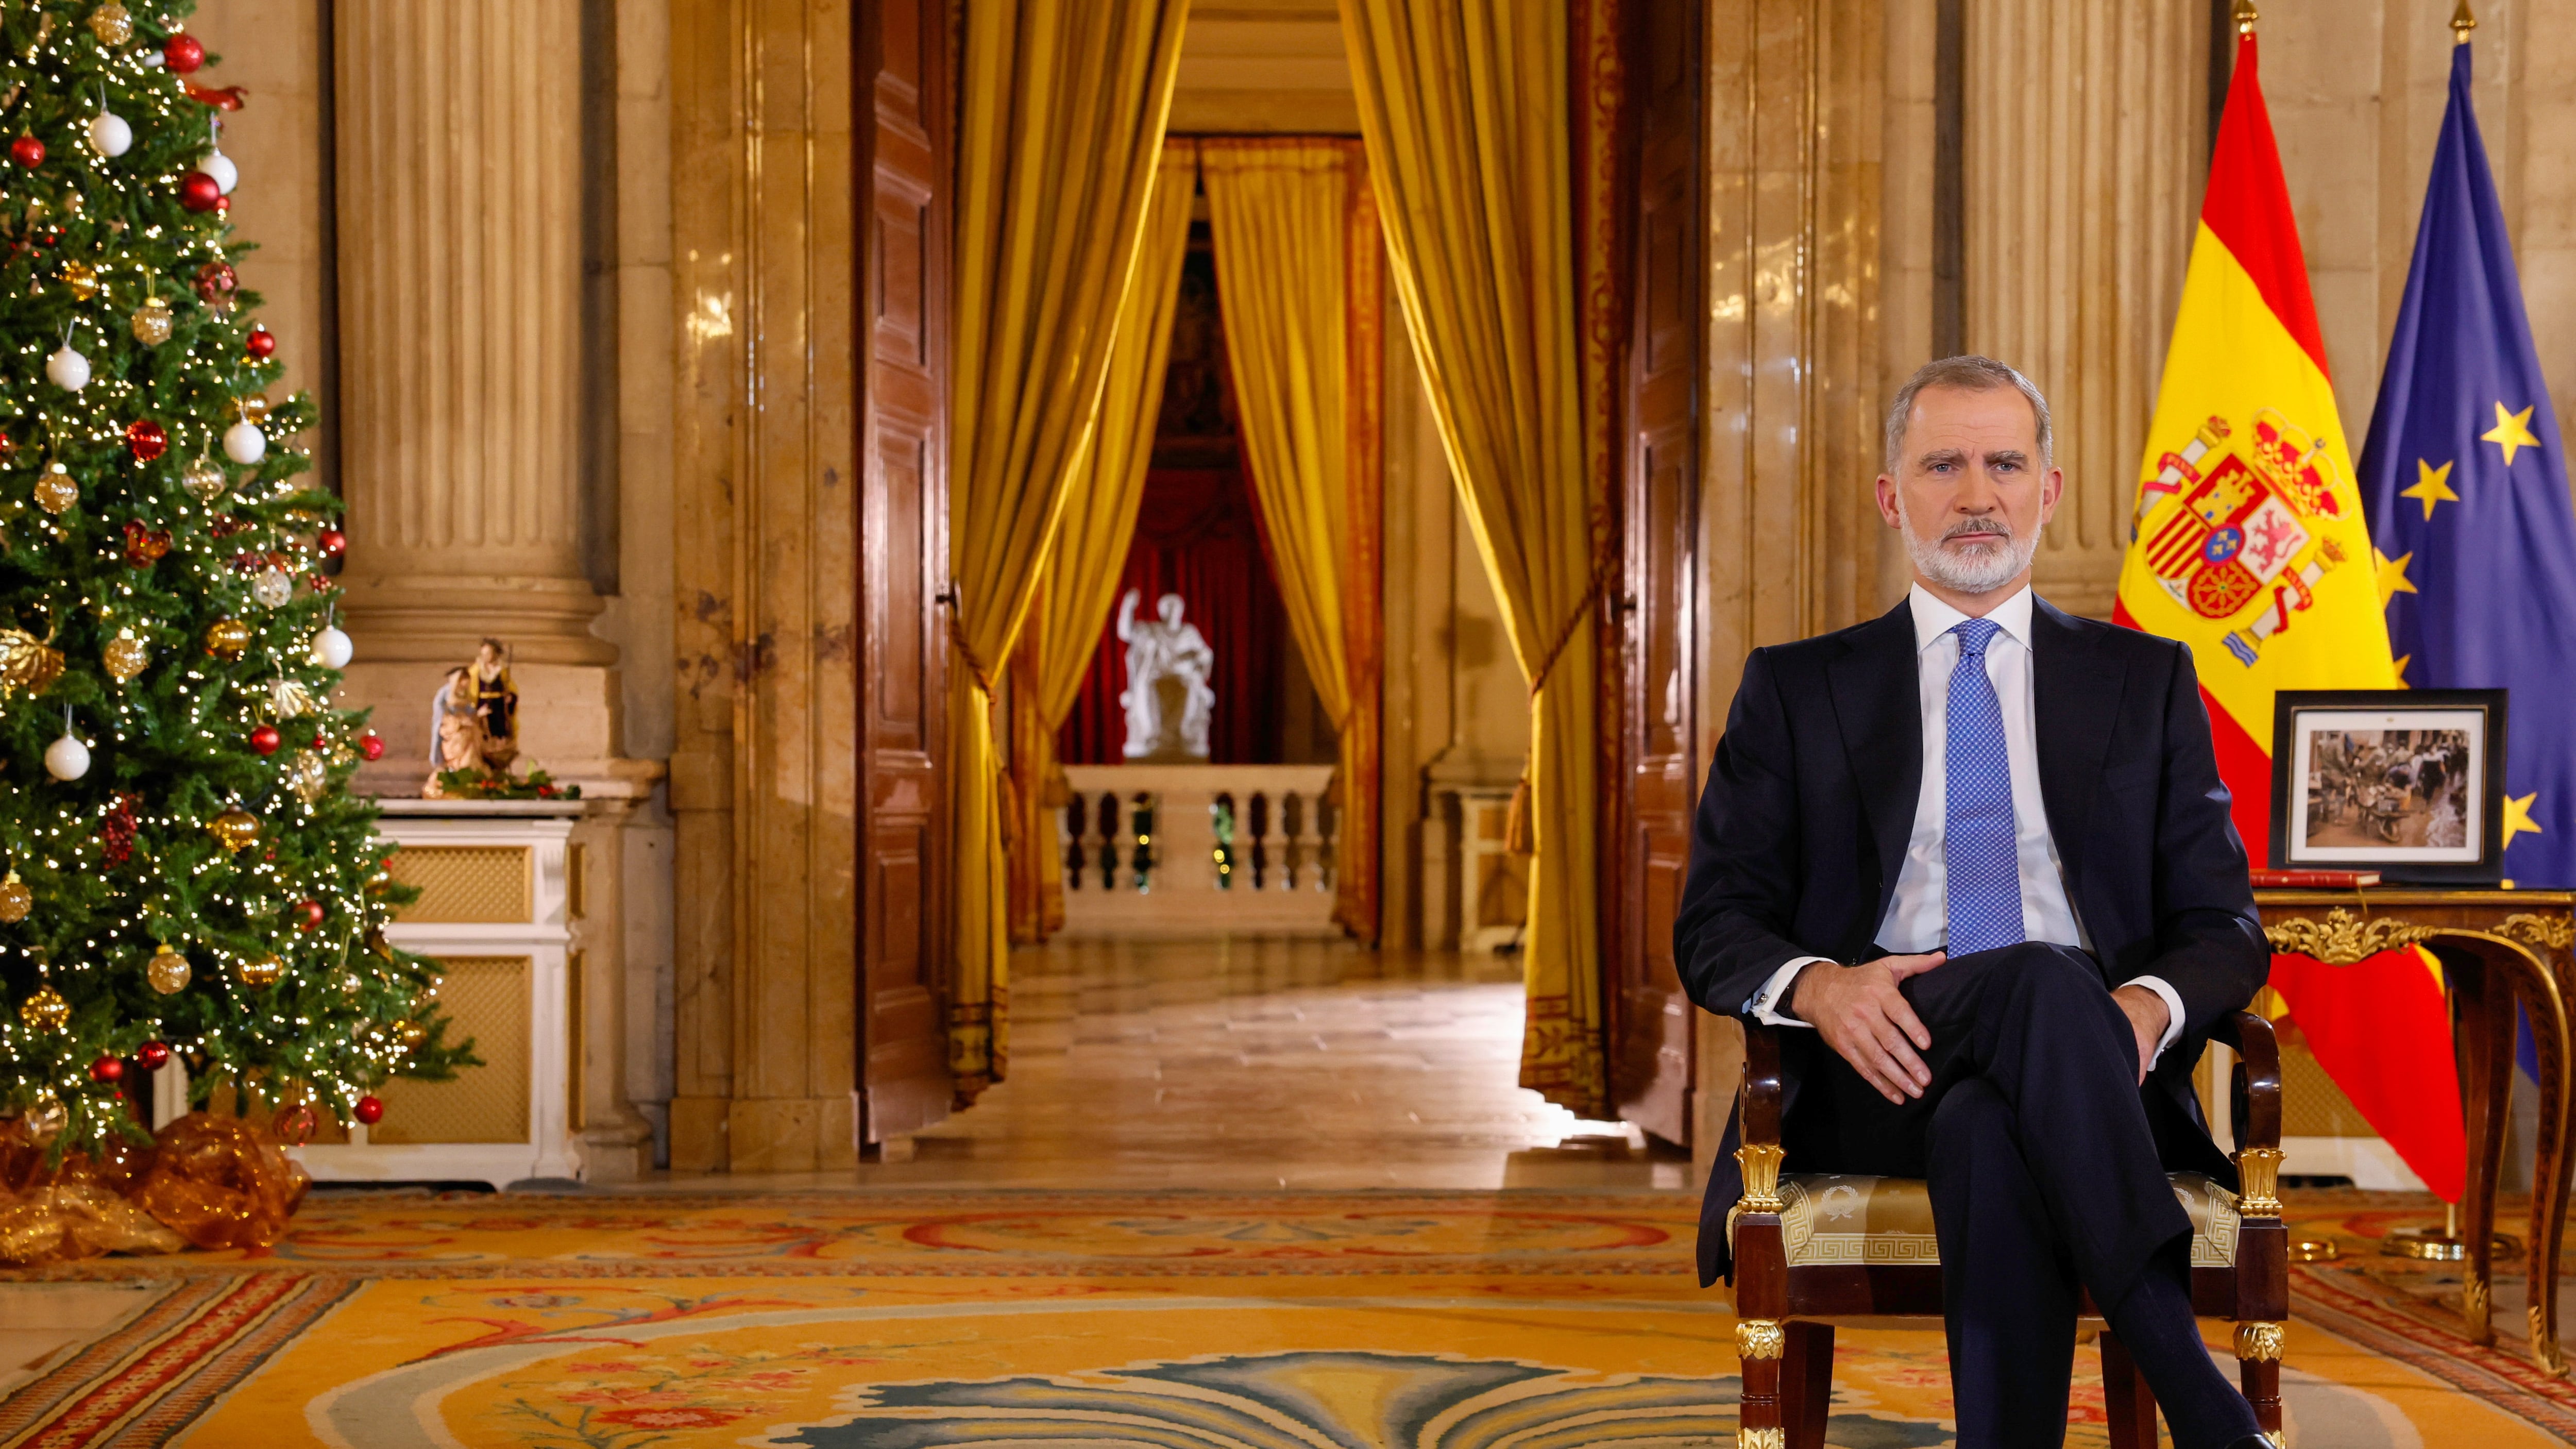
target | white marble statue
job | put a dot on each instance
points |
(1167, 700)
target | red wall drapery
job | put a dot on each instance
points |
(1198, 536)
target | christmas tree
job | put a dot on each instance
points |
(187, 875)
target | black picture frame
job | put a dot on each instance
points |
(2301, 716)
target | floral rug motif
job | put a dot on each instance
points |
(926, 1321)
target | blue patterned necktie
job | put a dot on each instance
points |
(1984, 872)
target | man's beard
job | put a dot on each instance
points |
(1980, 568)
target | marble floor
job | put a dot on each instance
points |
(1255, 1063)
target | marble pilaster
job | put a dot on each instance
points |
(2085, 128)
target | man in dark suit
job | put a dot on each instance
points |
(1976, 854)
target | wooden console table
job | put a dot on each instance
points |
(2496, 947)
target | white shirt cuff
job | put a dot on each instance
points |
(1770, 1005)
(2173, 1012)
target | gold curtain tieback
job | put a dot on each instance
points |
(974, 662)
(1520, 835)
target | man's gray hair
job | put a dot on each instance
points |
(1968, 373)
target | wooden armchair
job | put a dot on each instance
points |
(1813, 1250)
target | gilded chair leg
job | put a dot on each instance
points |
(2258, 1370)
(1806, 1383)
(2127, 1402)
(1759, 1345)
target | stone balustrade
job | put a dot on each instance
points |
(1187, 850)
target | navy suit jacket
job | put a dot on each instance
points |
(1810, 804)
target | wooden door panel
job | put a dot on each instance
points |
(1650, 1017)
(904, 1084)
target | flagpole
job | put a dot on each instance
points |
(2462, 22)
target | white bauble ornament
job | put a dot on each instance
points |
(332, 649)
(220, 166)
(272, 588)
(67, 758)
(243, 441)
(109, 135)
(68, 369)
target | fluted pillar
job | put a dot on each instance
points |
(2085, 127)
(460, 282)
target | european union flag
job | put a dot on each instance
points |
(2465, 487)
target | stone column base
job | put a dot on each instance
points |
(617, 1152)
(763, 1134)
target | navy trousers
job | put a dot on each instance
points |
(2044, 1181)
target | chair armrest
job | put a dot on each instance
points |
(2255, 1099)
(1759, 1120)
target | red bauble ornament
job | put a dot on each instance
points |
(154, 1056)
(321, 742)
(107, 1069)
(264, 739)
(197, 190)
(216, 281)
(331, 541)
(183, 53)
(223, 205)
(145, 440)
(308, 915)
(371, 745)
(370, 1110)
(29, 152)
(144, 546)
(261, 343)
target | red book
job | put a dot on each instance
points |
(2314, 880)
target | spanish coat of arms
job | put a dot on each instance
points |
(2231, 527)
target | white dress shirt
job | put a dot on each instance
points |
(1918, 910)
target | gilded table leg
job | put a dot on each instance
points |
(2485, 1081)
(2544, 1006)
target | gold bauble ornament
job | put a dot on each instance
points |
(55, 490)
(308, 778)
(46, 1118)
(111, 24)
(204, 481)
(227, 638)
(262, 970)
(125, 657)
(27, 662)
(45, 1011)
(152, 322)
(236, 828)
(15, 899)
(167, 971)
(254, 408)
(410, 1033)
(80, 276)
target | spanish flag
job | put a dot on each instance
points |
(2249, 545)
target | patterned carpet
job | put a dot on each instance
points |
(918, 1320)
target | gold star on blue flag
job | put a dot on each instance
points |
(2478, 570)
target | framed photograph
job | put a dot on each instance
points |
(2406, 782)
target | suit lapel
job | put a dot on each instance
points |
(1878, 705)
(2076, 700)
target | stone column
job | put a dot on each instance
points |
(462, 422)
(460, 280)
(2086, 126)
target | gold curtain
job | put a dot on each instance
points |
(1465, 108)
(1061, 135)
(1279, 211)
(1080, 582)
